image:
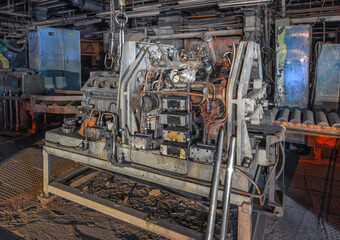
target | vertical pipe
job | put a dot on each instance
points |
(46, 172)
(227, 190)
(4, 110)
(324, 31)
(266, 27)
(10, 110)
(16, 102)
(283, 5)
(209, 39)
(214, 188)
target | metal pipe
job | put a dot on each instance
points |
(87, 22)
(214, 188)
(61, 19)
(10, 110)
(89, 5)
(124, 82)
(238, 3)
(17, 124)
(199, 34)
(11, 48)
(10, 13)
(266, 27)
(323, 31)
(4, 110)
(208, 39)
(227, 189)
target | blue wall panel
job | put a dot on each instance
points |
(293, 45)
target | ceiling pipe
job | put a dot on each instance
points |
(199, 34)
(89, 5)
(87, 22)
(237, 3)
(60, 20)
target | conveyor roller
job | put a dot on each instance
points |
(318, 122)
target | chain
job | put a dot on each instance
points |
(111, 16)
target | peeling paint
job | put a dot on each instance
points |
(292, 66)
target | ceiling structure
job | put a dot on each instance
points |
(92, 17)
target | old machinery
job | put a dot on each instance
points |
(24, 99)
(178, 119)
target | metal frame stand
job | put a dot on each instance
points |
(132, 216)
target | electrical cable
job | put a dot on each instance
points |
(317, 20)
(283, 161)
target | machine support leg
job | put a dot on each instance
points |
(47, 171)
(214, 189)
(227, 190)
(244, 228)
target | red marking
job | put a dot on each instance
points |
(33, 129)
(331, 142)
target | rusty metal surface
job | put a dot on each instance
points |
(50, 108)
(52, 98)
(51, 104)
(24, 170)
(293, 45)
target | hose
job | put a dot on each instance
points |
(197, 131)
(11, 48)
(283, 161)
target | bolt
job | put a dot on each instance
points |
(246, 162)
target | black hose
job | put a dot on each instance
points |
(197, 131)
(11, 48)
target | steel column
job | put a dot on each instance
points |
(46, 171)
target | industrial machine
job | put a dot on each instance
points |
(24, 99)
(182, 120)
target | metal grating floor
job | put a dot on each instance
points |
(328, 210)
(24, 170)
(330, 225)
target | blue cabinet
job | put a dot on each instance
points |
(56, 53)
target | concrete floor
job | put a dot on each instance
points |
(312, 202)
